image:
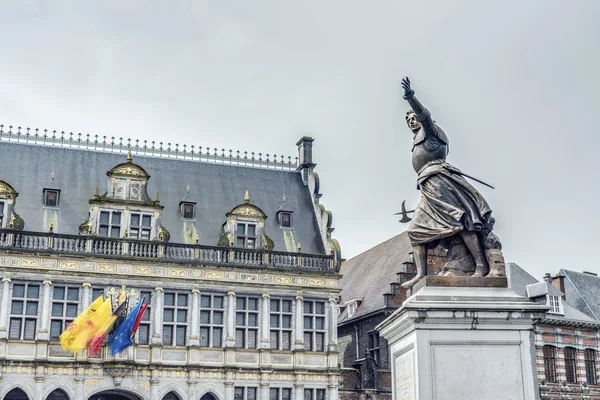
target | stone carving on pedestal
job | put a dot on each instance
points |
(451, 211)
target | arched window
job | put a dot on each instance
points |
(171, 396)
(208, 396)
(571, 364)
(550, 363)
(57, 394)
(16, 394)
(590, 366)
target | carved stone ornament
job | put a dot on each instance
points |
(268, 243)
(85, 228)
(163, 234)
(129, 169)
(16, 222)
(118, 374)
(248, 210)
(7, 190)
(224, 240)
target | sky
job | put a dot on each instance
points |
(513, 84)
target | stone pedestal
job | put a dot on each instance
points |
(468, 343)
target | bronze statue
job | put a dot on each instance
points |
(451, 210)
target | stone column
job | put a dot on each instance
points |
(194, 334)
(264, 325)
(158, 309)
(85, 297)
(230, 340)
(4, 308)
(79, 382)
(154, 389)
(229, 392)
(299, 328)
(39, 387)
(46, 304)
(264, 391)
(332, 326)
(298, 392)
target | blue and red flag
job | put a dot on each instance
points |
(121, 339)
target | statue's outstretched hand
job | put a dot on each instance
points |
(407, 89)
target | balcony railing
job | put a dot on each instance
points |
(52, 243)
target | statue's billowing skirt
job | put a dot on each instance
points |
(449, 204)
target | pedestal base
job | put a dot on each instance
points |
(468, 343)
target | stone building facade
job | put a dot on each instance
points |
(234, 253)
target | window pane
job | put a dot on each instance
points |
(205, 301)
(31, 308)
(29, 333)
(308, 394)
(180, 336)
(240, 242)
(320, 394)
(251, 230)
(33, 292)
(205, 317)
(217, 317)
(218, 302)
(320, 308)
(134, 233)
(103, 231)
(71, 310)
(55, 329)
(241, 229)
(145, 234)
(275, 321)
(168, 335)
(239, 338)
(168, 315)
(286, 306)
(14, 331)
(240, 303)
(115, 232)
(217, 337)
(181, 316)
(286, 394)
(250, 243)
(308, 341)
(116, 218)
(307, 322)
(319, 342)
(274, 338)
(97, 292)
(240, 319)
(146, 221)
(204, 338)
(58, 293)
(274, 305)
(274, 394)
(252, 304)
(286, 340)
(182, 300)
(57, 310)
(16, 308)
(104, 217)
(169, 299)
(250, 393)
(73, 294)
(308, 307)
(252, 334)
(144, 334)
(239, 393)
(319, 323)
(286, 321)
(252, 319)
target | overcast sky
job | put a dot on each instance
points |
(514, 84)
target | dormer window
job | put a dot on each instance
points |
(140, 226)
(352, 306)
(120, 189)
(1, 214)
(286, 219)
(51, 197)
(555, 305)
(246, 235)
(188, 210)
(110, 224)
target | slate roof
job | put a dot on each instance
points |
(583, 291)
(216, 188)
(368, 275)
(519, 280)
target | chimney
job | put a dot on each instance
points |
(305, 160)
(558, 282)
(548, 277)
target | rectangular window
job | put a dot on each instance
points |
(24, 311)
(97, 292)
(246, 322)
(135, 190)
(286, 219)
(554, 303)
(590, 367)
(144, 329)
(571, 364)
(373, 346)
(246, 235)
(1, 214)
(175, 319)
(244, 393)
(65, 308)
(51, 197)
(211, 320)
(550, 363)
(140, 226)
(314, 394)
(120, 189)
(281, 324)
(280, 394)
(314, 325)
(110, 224)
(188, 210)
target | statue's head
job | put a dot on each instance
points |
(411, 121)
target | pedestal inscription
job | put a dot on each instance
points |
(404, 366)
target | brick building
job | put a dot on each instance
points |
(234, 251)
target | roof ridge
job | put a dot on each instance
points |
(124, 145)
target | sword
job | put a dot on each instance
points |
(475, 179)
(405, 218)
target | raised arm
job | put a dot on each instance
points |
(421, 113)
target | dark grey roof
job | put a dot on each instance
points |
(216, 188)
(368, 275)
(583, 291)
(519, 279)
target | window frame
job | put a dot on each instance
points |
(570, 355)
(211, 326)
(555, 304)
(314, 394)
(244, 236)
(591, 374)
(175, 324)
(549, 354)
(182, 209)
(2, 211)
(24, 317)
(279, 391)
(244, 390)
(144, 333)
(374, 345)
(313, 331)
(140, 228)
(279, 330)
(285, 219)
(57, 199)
(64, 320)
(246, 329)
(110, 225)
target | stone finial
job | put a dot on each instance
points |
(188, 188)
(129, 157)
(157, 199)
(97, 193)
(246, 197)
(51, 227)
(299, 247)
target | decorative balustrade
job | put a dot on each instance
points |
(145, 148)
(53, 243)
